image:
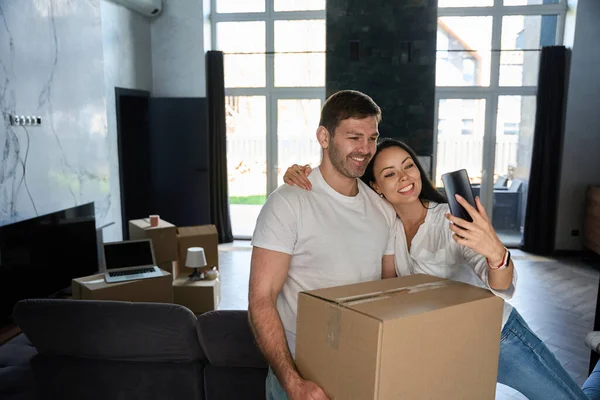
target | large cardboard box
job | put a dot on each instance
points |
(415, 337)
(164, 238)
(204, 236)
(198, 296)
(153, 290)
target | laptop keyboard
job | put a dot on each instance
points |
(131, 272)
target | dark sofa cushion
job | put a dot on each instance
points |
(15, 354)
(15, 379)
(15, 371)
(71, 378)
(227, 339)
(234, 383)
(110, 330)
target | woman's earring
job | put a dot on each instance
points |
(381, 195)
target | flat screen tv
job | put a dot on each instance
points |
(40, 256)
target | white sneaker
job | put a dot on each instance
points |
(592, 340)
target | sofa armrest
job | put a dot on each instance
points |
(227, 339)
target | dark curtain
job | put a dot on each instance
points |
(219, 198)
(542, 197)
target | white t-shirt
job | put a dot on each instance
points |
(333, 239)
(433, 251)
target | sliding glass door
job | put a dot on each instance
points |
(275, 87)
(486, 74)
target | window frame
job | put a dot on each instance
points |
(492, 92)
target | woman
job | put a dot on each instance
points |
(468, 252)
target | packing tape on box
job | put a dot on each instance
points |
(385, 294)
(332, 328)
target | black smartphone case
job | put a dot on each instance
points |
(457, 182)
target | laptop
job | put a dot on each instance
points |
(129, 260)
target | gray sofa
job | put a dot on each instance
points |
(77, 349)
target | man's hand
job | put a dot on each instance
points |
(306, 390)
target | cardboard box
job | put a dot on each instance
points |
(415, 337)
(168, 267)
(204, 236)
(153, 290)
(198, 296)
(164, 238)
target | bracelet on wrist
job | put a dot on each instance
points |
(503, 264)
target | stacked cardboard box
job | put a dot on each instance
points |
(591, 224)
(198, 296)
(164, 241)
(152, 290)
(204, 236)
(170, 245)
(415, 337)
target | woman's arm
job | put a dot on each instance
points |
(480, 237)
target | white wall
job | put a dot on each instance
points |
(163, 55)
(581, 150)
(65, 69)
(52, 66)
(126, 42)
(178, 68)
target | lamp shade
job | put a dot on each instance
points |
(195, 257)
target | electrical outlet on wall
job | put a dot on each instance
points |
(25, 120)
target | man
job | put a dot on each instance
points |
(307, 240)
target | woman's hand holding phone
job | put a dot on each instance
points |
(478, 235)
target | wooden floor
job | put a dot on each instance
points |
(557, 298)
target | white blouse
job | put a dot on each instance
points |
(434, 252)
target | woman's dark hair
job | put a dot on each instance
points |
(428, 190)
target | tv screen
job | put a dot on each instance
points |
(40, 256)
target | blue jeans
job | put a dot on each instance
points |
(591, 387)
(273, 388)
(527, 365)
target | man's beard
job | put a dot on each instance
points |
(345, 166)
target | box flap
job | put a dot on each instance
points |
(184, 231)
(402, 297)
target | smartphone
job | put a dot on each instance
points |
(457, 182)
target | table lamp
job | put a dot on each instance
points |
(195, 259)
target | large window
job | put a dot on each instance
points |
(488, 54)
(275, 87)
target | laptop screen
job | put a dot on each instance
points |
(128, 254)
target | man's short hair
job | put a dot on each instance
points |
(347, 104)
